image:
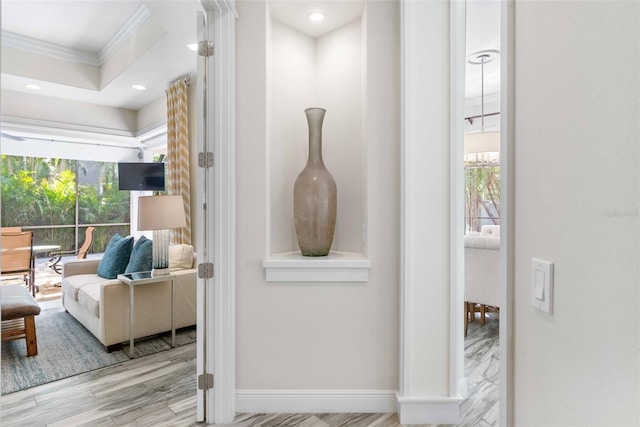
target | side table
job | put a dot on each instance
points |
(143, 278)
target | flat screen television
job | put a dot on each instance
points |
(141, 176)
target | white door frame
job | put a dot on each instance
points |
(219, 239)
(423, 396)
(431, 284)
(507, 202)
(201, 223)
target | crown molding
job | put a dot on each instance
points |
(125, 32)
(153, 135)
(41, 47)
(68, 132)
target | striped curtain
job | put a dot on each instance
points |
(178, 154)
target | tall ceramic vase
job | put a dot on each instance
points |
(315, 195)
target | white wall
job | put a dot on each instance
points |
(340, 78)
(293, 88)
(426, 216)
(67, 114)
(317, 336)
(16, 62)
(153, 115)
(577, 199)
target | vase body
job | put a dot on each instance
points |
(315, 195)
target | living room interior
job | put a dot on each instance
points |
(71, 121)
(76, 124)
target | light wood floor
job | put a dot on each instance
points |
(159, 390)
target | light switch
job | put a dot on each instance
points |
(539, 289)
(542, 285)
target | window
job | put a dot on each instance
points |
(58, 198)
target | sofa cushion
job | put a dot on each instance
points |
(73, 284)
(180, 257)
(490, 231)
(116, 257)
(482, 242)
(89, 298)
(141, 256)
(17, 302)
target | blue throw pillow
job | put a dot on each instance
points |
(141, 256)
(115, 257)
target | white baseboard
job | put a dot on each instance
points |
(462, 388)
(310, 401)
(429, 410)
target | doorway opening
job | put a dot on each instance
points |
(486, 197)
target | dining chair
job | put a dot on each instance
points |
(56, 256)
(11, 229)
(17, 256)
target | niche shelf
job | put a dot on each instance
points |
(338, 266)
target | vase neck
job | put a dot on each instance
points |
(315, 117)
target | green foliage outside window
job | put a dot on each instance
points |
(482, 193)
(42, 192)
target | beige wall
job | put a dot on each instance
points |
(154, 115)
(317, 336)
(577, 197)
(16, 62)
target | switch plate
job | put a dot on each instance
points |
(542, 285)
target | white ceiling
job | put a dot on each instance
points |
(295, 14)
(92, 30)
(483, 33)
(69, 24)
(88, 32)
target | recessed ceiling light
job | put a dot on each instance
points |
(193, 46)
(32, 86)
(316, 16)
(139, 87)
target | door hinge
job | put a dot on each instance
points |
(205, 382)
(205, 270)
(205, 159)
(205, 48)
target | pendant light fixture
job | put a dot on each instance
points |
(482, 148)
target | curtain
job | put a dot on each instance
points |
(178, 154)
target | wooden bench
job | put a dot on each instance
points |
(18, 316)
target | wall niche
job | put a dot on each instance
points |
(328, 72)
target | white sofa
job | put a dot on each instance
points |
(102, 305)
(482, 278)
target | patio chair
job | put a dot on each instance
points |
(56, 257)
(17, 257)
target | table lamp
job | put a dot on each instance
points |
(160, 214)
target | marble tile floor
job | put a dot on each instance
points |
(158, 390)
(482, 370)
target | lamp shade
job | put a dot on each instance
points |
(161, 212)
(482, 149)
(482, 142)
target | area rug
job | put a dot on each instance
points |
(66, 348)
